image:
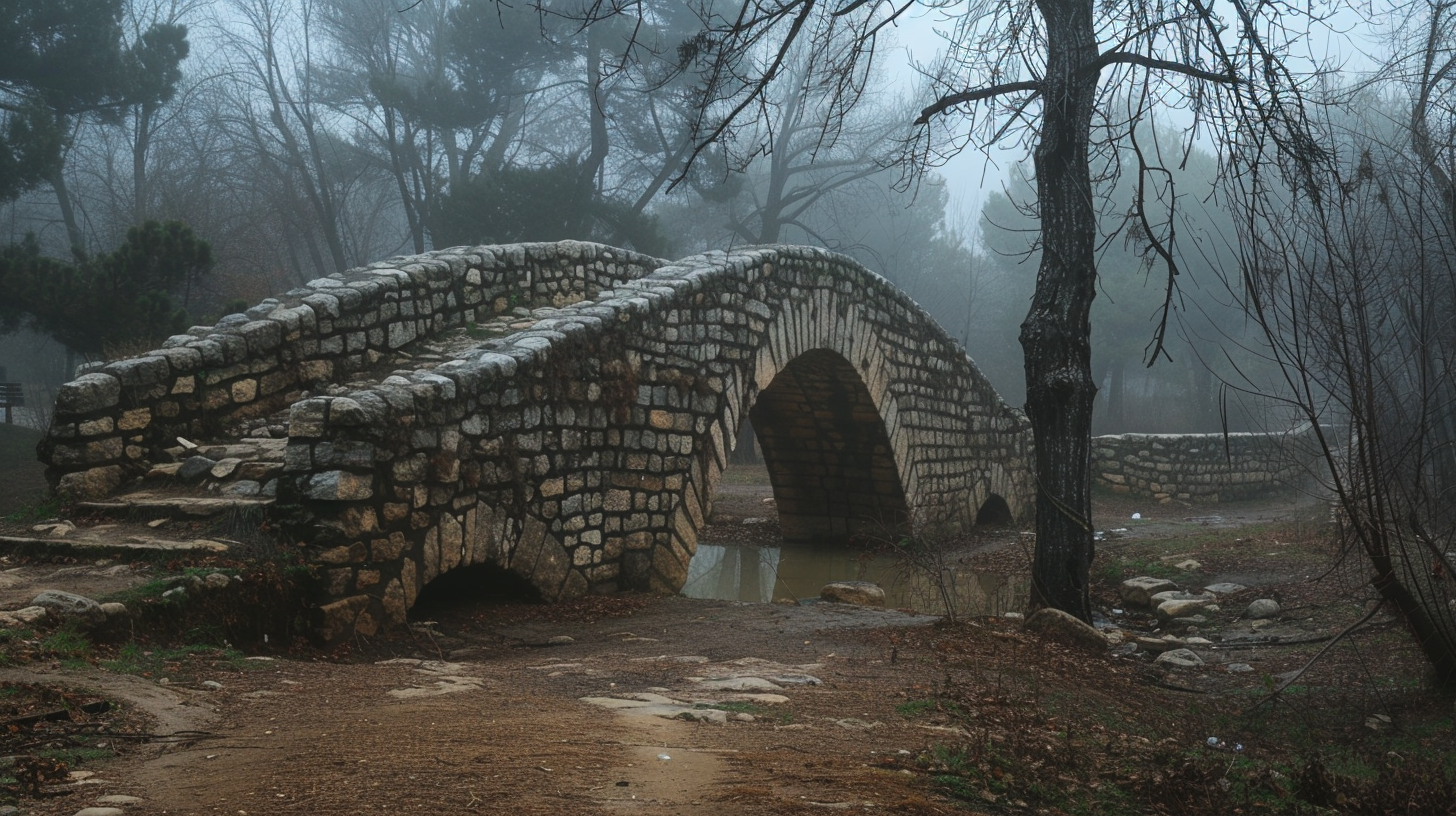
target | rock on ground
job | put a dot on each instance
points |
(1262, 608)
(70, 606)
(859, 593)
(1183, 658)
(1060, 626)
(1139, 591)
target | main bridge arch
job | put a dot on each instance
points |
(582, 452)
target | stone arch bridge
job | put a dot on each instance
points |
(576, 444)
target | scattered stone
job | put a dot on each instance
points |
(858, 593)
(1159, 645)
(211, 685)
(1170, 610)
(796, 680)
(1188, 566)
(560, 640)
(857, 725)
(175, 594)
(1262, 609)
(242, 487)
(1238, 668)
(20, 618)
(740, 684)
(225, 467)
(1224, 588)
(70, 606)
(114, 610)
(1140, 591)
(100, 811)
(54, 529)
(216, 580)
(1015, 616)
(1060, 626)
(1377, 722)
(1182, 658)
(157, 522)
(1178, 595)
(194, 468)
(787, 601)
(119, 799)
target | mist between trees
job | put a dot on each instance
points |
(300, 137)
(1236, 262)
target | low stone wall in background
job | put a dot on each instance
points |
(111, 423)
(1201, 467)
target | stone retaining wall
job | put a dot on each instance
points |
(1201, 467)
(113, 421)
(581, 454)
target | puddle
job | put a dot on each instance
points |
(734, 572)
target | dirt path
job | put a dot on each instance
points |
(508, 732)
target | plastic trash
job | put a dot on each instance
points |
(1136, 516)
(663, 757)
(1213, 742)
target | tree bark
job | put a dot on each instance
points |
(68, 213)
(1056, 335)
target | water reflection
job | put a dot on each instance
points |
(736, 572)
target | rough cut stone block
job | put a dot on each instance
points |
(339, 485)
(140, 371)
(88, 393)
(1140, 591)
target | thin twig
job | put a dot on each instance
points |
(1321, 653)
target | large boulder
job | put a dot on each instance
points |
(859, 593)
(1139, 591)
(1054, 624)
(68, 606)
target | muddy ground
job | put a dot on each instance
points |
(485, 705)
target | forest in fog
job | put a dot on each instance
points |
(171, 161)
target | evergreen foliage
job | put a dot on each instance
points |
(112, 301)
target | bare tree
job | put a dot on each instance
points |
(1074, 77)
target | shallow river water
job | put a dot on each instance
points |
(736, 572)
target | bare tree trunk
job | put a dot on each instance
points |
(1056, 335)
(141, 144)
(68, 213)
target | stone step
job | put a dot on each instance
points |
(92, 546)
(175, 506)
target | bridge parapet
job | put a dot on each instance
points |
(119, 417)
(1204, 467)
(581, 453)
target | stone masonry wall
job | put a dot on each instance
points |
(113, 421)
(581, 453)
(1200, 467)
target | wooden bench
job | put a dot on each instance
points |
(12, 395)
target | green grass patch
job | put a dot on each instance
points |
(47, 507)
(66, 643)
(910, 709)
(137, 660)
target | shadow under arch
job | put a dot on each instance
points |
(828, 455)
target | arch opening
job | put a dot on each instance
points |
(829, 458)
(994, 511)
(464, 587)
